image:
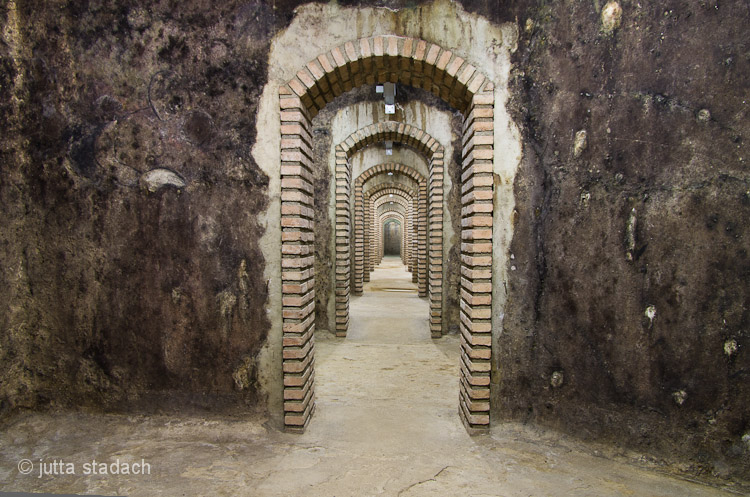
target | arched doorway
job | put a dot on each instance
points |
(416, 63)
(392, 236)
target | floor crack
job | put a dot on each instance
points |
(434, 478)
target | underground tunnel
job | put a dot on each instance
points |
(375, 248)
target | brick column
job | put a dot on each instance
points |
(403, 240)
(415, 237)
(297, 261)
(422, 242)
(476, 261)
(368, 238)
(406, 229)
(373, 242)
(379, 240)
(359, 239)
(343, 241)
(436, 244)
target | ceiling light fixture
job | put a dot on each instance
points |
(389, 93)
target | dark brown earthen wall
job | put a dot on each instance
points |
(663, 100)
(113, 293)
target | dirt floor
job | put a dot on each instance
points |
(386, 423)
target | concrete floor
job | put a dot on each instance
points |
(386, 424)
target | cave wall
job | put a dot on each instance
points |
(627, 317)
(131, 268)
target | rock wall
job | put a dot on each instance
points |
(131, 269)
(628, 303)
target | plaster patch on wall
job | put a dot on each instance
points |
(266, 153)
(317, 28)
(159, 178)
(508, 153)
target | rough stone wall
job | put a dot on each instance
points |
(130, 262)
(628, 303)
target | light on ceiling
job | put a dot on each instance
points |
(389, 93)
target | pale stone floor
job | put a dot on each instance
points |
(386, 424)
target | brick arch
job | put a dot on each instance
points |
(403, 205)
(384, 217)
(431, 191)
(388, 167)
(361, 273)
(413, 62)
(362, 268)
(362, 219)
(398, 59)
(402, 201)
(416, 226)
(396, 131)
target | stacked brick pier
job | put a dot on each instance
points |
(476, 260)
(297, 261)
(343, 262)
(435, 241)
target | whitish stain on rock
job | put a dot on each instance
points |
(557, 379)
(580, 143)
(242, 376)
(650, 314)
(159, 178)
(611, 16)
(630, 235)
(227, 302)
